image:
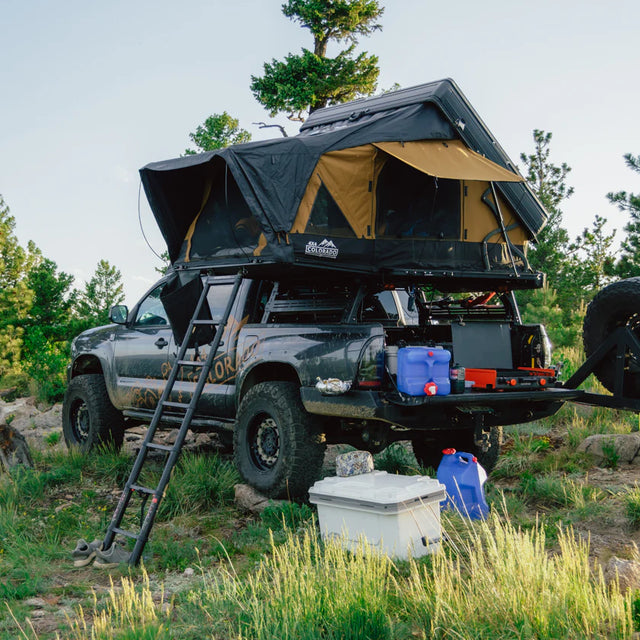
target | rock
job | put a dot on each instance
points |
(50, 419)
(171, 437)
(623, 445)
(188, 572)
(63, 506)
(627, 573)
(39, 613)
(19, 414)
(35, 602)
(248, 498)
(14, 449)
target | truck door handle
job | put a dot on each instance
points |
(161, 343)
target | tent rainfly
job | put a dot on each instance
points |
(383, 189)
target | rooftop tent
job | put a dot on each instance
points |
(392, 185)
(405, 205)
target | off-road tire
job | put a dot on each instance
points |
(617, 305)
(428, 451)
(88, 417)
(278, 447)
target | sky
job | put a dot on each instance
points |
(90, 92)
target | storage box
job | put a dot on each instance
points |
(398, 515)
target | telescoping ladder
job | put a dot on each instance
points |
(171, 451)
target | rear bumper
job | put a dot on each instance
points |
(438, 412)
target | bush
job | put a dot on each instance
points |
(46, 363)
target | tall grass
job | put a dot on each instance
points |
(503, 583)
(307, 590)
(129, 614)
(494, 581)
(198, 484)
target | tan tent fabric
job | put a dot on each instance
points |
(479, 221)
(448, 159)
(351, 176)
(348, 175)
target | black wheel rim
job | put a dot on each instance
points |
(264, 442)
(80, 420)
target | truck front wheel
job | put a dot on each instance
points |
(278, 446)
(428, 451)
(88, 417)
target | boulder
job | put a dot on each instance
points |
(19, 413)
(624, 573)
(625, 446)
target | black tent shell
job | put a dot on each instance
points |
(264, 183)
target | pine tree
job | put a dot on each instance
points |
(549, 183)
(311, 80)
(629, 263)
(15, 296)
(103, 290)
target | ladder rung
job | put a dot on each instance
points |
(191, 363)
(126, 534)
(137, 487)
(160, 447)
(176, 405)
(209, 322)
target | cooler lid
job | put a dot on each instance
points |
(377, 490)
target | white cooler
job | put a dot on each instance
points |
(398, 515)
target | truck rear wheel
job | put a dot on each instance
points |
(88, 417)
(617, 305)
(278, 446)
(428, 451)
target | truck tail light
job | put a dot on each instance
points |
(371, 365)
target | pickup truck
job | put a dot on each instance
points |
(268, 392)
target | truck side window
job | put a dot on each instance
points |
(218, 298)
(380, 306)
(151, 312)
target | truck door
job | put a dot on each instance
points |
(141, 349)
(217, 397)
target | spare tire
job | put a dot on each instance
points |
(617, 305)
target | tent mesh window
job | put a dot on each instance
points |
(326, 217)
(412, 204)
(226, 226)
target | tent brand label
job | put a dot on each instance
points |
(324, 249)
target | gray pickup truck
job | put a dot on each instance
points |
(285, 336)
(357, 240)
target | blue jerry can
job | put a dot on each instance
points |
(464, 480)
(418, 366)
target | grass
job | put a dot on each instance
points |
(523, 573)
(502, 583)
(632, 505)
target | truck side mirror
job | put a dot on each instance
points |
(119, 314)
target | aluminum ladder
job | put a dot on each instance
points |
(171, 451)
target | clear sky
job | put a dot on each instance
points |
(92, 91)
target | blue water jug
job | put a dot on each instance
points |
(419, 366)
(464, 480)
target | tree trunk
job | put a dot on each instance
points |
(14, 449)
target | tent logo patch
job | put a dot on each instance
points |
(324, 249)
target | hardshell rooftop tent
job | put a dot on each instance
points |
(410, 182)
